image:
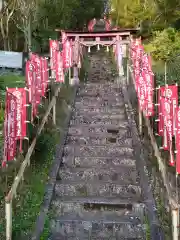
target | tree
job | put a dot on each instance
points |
(159, 13)
(165, 44)
(37, 20)
(5, 17)
(25, 19)
(130, 13)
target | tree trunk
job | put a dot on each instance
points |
(5, 43)
(25, 42)
(29, 35)
(16, 41)
(9, 44)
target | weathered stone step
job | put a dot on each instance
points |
(99, 140)
(96, 151)
(100, 85)
(106, 110)
(99, 91)
(90, 121)
(56, 236)
(93, 129)
(124, 220)
(97, 104)
(121, 160)
(127, 227)
(78, 210)
(125, 173)
(92, 188)
(99, 94)
(91, 117)
(110, 201)
(100, 100)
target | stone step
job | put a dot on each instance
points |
(79, 210)
(121, 202)
(97, 104)
(97, 129)
(99, 140)
(99, 91)
(98, 121)
(100, 85)
(100, 100)
(99, 174)
(56, 236)
(91, 117)
(102, 115)
(99, 228)
(99, 94)
(120, 161)
(97, 151)
(93, 188)
(101, 110)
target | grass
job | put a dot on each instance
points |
(147, 224)
(158, 69)
(10, 81)
(31, 191)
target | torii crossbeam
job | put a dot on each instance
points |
(104, 38)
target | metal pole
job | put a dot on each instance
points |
(127, 73)
(70, 76)
(165, 72)
(54, 113)
(8, 212)
(175, 213)
(140, 121)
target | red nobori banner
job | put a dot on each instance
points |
(59, 67)
(91, 25)
(178, 140)
(67, 54)
(29, 78)
(171, 92)
(132, 50)
(20, 94)
(54, 46)
(33, 90)
(141, 92)
(10, 128)
(146, 62)
(149, 82)
(160, 117)
(168, 121)
(38, 69)
(139, 50)
(63, 37)
(108, 24)
(44, 75)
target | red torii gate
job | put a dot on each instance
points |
(99, 38)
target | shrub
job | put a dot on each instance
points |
(164, 45)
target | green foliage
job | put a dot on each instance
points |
(131, 13)
(165, 44)
(1, 116)
(10, 81)
(69, 14)
(149, 14)
(32, 193)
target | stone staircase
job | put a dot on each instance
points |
(97, 193)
